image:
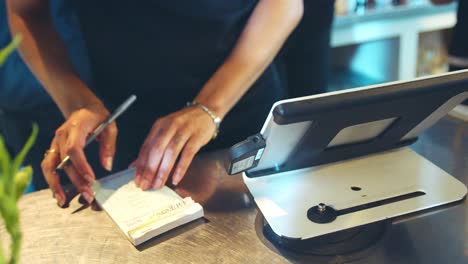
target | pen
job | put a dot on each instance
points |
(122, 108)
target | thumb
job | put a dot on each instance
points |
(107, 141)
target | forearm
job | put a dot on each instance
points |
(270, 24)
(45, 54)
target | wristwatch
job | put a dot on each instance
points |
(216, 119)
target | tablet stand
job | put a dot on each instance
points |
(360, 191)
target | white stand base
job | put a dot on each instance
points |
(284, 198)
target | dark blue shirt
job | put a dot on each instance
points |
(459, 45)
(19, 89)
(164, 51)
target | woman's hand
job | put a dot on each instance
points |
(173, 139)
(70, 141)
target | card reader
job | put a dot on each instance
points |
(245, 155)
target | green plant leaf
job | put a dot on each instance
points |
(22, 180)
(22, 154)
(9, 213)
(16, 238)
(5, 160)
(2, 257)
(4, 53)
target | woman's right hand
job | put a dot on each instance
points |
(70, 141)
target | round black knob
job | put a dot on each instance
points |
(322, 214)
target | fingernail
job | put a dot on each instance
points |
(87, 197)
(108, 163)
(175, 179)
(60, 199)
(137, 180)
(158, 183)
(60, 203)
(88, 178)
(145, 184)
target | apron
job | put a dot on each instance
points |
(164, 51)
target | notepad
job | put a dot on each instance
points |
(142, 215)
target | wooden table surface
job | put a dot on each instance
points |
(232, 232)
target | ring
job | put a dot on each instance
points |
(50, 151)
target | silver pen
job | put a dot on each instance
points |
(122, 108)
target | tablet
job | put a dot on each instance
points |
(319, 129)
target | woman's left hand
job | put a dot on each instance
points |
(175, 138)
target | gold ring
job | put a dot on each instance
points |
(50, 151)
